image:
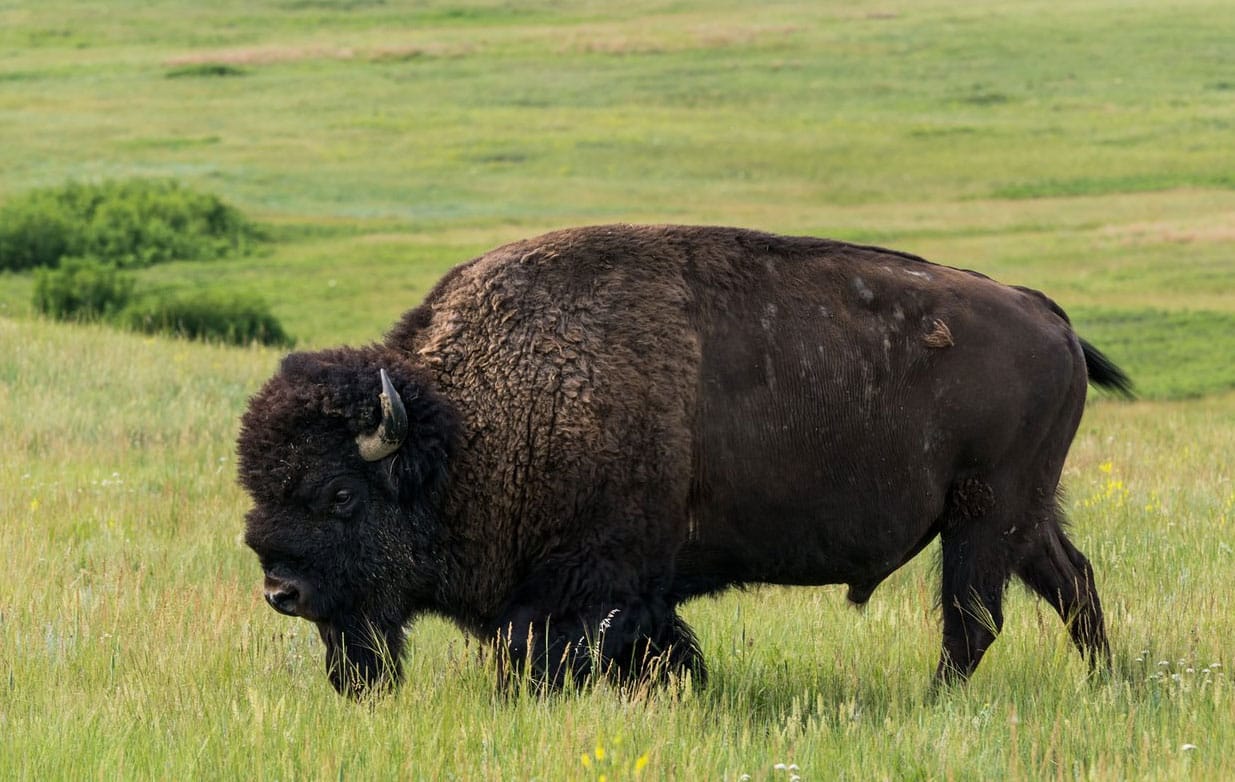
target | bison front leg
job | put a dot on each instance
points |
(627, 640)
(646, 641)
(530, 641)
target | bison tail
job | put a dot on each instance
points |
(1103, 372)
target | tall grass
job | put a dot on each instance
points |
(134, 642)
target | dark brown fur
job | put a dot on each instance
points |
(608, 421)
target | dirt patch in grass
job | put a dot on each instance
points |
(622, 40)
(271, 55)
(1219, 229)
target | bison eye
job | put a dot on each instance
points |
(339, 498)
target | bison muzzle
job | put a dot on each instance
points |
(574, 434)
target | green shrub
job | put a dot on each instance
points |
(236, 319)
(130, 223)
(34, 231)
(81, 289)
(205, 69)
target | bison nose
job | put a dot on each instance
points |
(283, 596)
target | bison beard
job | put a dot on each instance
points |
(362, 660)
(575, 434)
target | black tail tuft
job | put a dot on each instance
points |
(1103, 372)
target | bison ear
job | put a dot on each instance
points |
(390, 433)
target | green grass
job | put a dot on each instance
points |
(135, 642)
(1080, 149)
(1172, 354)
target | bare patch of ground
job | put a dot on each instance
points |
(269, 55)
(621, 40)
(1218, 229)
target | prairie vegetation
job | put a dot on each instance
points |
(1082, 150)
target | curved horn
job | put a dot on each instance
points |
(389, 434)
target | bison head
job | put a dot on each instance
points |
(344, 453)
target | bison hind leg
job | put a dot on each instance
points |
(974, 576)
(1058, 572)
(975, 568)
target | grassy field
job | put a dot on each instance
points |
(1082, 149)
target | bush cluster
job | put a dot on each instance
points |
(129, 223)
(236, 319)
(79, 239)
(84, 289)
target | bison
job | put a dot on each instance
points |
(574, 434)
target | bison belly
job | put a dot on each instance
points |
(812, 490)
